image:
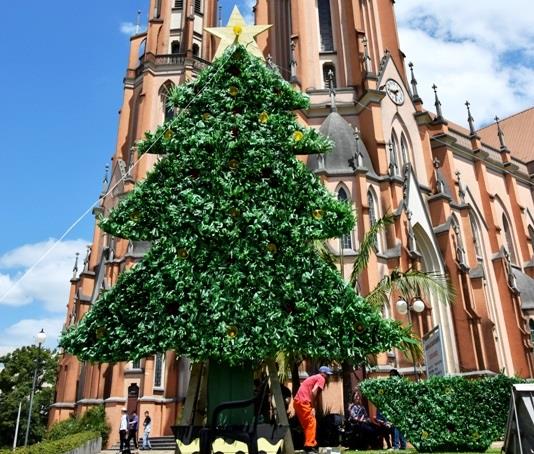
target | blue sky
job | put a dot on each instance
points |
(62, 70)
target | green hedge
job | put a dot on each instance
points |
(444, 413)
(56, 446)
(93, 420)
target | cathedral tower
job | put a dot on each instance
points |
(172, 50)
(462, 205)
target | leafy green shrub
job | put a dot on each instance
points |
(56, 446)
(93, 420)
(444, 413)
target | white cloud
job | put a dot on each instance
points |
(483, 52)
(47, 282)
(129, 28)
(23, 333)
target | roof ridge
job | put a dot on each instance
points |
(507, 118)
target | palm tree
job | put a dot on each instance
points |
(410, 283)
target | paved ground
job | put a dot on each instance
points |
(152, 451)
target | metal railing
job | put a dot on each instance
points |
(167, 61)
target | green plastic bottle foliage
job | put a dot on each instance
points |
(232, 274)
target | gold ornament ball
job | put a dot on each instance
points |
(298, 136)
(238, 30)
(233, 164)
(232, 332)
(360, 328)
(134, 216)
(272, 248)
(264, 117)
(183, 254)
(100, 332)
(318, 214)
(234, 212)
(206, 116)
(168, 134)
(233, 90)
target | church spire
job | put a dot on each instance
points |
(500, 133)
(437, 103)
(470, 120)
(413, 82)
(332, 90)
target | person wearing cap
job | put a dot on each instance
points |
(305, 403)
(123, 429)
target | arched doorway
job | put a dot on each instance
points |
(441, 313)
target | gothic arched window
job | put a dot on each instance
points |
(477, 239)
(159, 367)
(531, 235)
(373, 212)
(509, 239)
(531, 326)
(458, 243)
(175, 47)
(327, 67)
(404, 150)
(346, 240)
(394, 163)
(196, 50)
(325, 26)
(157, 9)
(164, 91)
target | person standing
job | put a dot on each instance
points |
(147, 427)
(132, 432)
(123, 429)
(305, 403)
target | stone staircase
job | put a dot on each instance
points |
(166, 444)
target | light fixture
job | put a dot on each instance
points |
(418, 305)
(402, 306)
(41, 337)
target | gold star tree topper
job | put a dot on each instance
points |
(238, 32)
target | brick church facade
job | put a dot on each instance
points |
(461, 198)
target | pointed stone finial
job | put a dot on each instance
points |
(138, 23)
(437, 103)
(415, 94)
(332, 90)
(366, 57)
(440, 186)
(87, 258)
(131, 157)
(293, 62)
(105, 181)
(500, 133)
(75, 268)
(470, 119)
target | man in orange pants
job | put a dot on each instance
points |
(305, 403)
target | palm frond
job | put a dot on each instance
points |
(325, 253)
(411, 345)
(413, 283)
(367, 247)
